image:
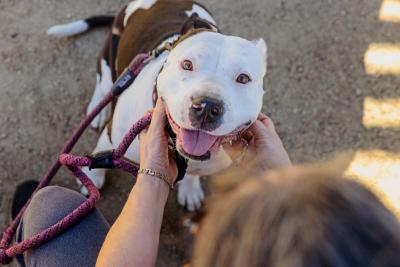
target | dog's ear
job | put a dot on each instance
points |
(262, 47)
(194, 22)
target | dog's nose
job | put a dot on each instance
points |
(206, 113)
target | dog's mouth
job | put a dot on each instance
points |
(197, 144)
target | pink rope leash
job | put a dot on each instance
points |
(116, 155)
(73, 163)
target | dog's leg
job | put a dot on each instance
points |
(104, 79)
(104, 83)
(190, 193)
(97, 175)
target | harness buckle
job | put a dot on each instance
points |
(102, 160)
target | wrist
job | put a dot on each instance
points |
(157, 174)
(153, 165)
(154, 185)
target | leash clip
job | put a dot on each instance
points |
(102, 160)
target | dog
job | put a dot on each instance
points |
(212, 83)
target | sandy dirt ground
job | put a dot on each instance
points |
(315, 88)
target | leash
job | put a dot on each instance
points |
(107, 159)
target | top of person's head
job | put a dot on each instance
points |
(303, 216)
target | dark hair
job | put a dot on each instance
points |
(298, 218)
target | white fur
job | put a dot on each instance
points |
(68, 29)
(202, 13)
(131, 106)
(190, 193)
(263, 48)
(218, 60)
(134, 103)
(135, 5)
(103, 85)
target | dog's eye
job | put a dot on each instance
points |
(243, 78)
(187, 65)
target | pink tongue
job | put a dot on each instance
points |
(196, 143)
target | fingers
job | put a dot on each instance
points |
(262, 127)
(258, 129)
(262, 116)
(247, 135)
(159, 117)
(234, 150)
(266, 121)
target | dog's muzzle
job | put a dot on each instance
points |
(206, 113)
(199, 145)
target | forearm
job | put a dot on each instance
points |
(134, 237)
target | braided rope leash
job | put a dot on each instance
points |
(73, 163)
(109, 159)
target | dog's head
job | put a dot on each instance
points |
(213, 87)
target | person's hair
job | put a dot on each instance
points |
(299, 217)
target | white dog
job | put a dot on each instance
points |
(212, 83)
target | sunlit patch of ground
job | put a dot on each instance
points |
(390, 11)
(381, 113)
(380, 171)
(382, 59)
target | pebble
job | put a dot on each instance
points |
(299, 69)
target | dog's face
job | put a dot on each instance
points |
(213, 87)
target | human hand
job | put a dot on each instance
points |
(154, 153)
(265, 149)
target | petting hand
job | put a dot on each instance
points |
(265, 147)
(154, 153)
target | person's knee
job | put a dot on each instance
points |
(49, 205)
(56, 198)
(52, 193)
(78, 246)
